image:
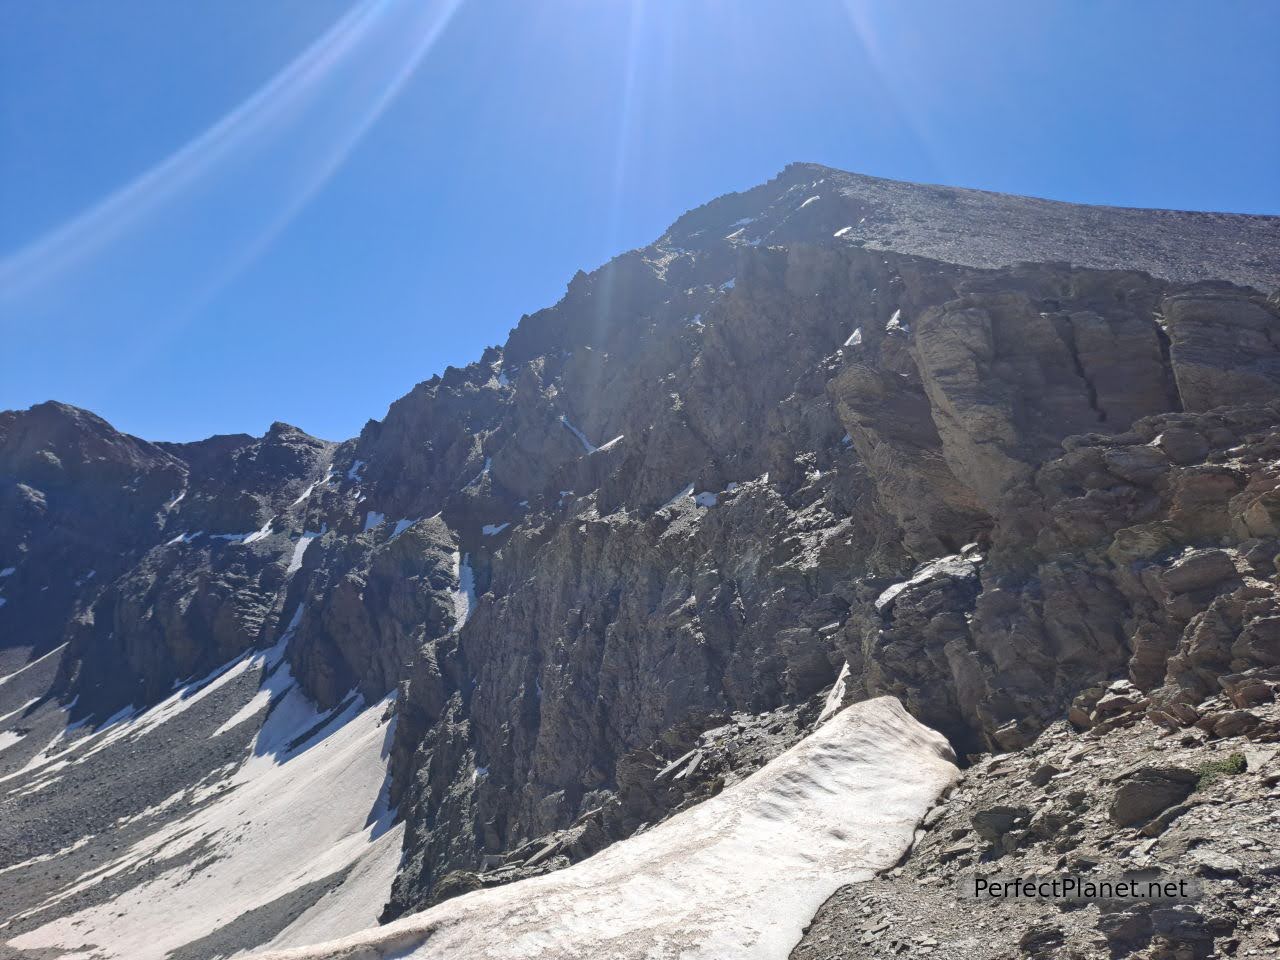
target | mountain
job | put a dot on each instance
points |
(830, 440)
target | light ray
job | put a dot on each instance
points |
(361, 63)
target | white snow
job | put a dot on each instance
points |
(373, 519)
(895, 323)
(484, 472)
(8, 738)
(289, 816)
(492, 529)
(855, 338)
(259, 534)
(23, 669)
(176, 500)
(953, 564)
(685, 491)
(464, 598)
(354, 472)
(807, 202)
(705, 499)
(586, 444)
(606, 446)
(835, 699)
(300, 551)
(842, 231)
(737, 876)
(185, 538)
(306, 493)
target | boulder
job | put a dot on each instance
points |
(1147, 791)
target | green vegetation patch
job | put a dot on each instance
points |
(1215, 770)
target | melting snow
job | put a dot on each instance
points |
(292, 814)
(606, 446)
(836, 697)
(464, 598)
(354, 472)
(300, 551)
(739, 875)
(586, 444)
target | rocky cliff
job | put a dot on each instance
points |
(986, 454)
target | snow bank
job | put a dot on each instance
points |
(734, 878)
(308, 803)
(299, 551)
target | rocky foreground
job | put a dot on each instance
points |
(1010, 462)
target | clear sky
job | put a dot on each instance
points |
(218, 214)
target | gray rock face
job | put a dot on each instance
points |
(1149, 790)
(722, 467)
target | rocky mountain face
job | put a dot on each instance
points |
(985, 454)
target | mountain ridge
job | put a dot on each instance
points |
(757, 458)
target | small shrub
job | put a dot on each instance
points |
(1215, 770)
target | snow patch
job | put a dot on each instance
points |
(705, 499)
(586, 444)
(401, 527)
(299, 551)
(729, 284)
(464, 598)
(611, 443)
(372, 519)
(738, 875)
(855, 338)
(354, 472)
(807, 202)
(835, 699)
(842, 231)
(493, 529)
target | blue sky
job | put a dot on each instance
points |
(224, 213)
